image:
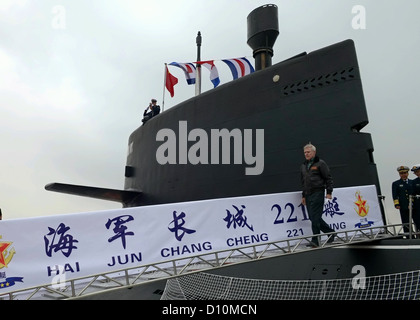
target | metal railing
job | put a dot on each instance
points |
(410, 207)
(134, 276)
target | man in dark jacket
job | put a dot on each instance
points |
(401, 190)
(316, 178)
(152, 110)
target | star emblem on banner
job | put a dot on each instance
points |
(5, 255)
(362, 209)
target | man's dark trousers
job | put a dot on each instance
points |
(315, 206)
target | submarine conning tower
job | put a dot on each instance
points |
(263, 29)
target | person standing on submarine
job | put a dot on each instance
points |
(316, 179)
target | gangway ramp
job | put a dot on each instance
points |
(94, 285)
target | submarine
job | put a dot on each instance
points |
(210, 147)
(314, 96)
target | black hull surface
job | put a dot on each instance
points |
(318, 98)
(315, 97)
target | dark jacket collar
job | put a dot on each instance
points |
(313, 160)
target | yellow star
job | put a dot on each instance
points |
(361, 204)
(3, 247)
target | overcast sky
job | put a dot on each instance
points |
(75, 76)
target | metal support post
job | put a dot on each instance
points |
(410, 215)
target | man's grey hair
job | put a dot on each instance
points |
(310, 145)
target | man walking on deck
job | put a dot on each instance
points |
(316, 178)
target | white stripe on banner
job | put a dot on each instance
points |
(31, 250)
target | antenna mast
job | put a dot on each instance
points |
(198, 78)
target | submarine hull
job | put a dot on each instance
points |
(315, 97)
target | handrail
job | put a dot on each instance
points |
(78, 287)
(410, 212)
